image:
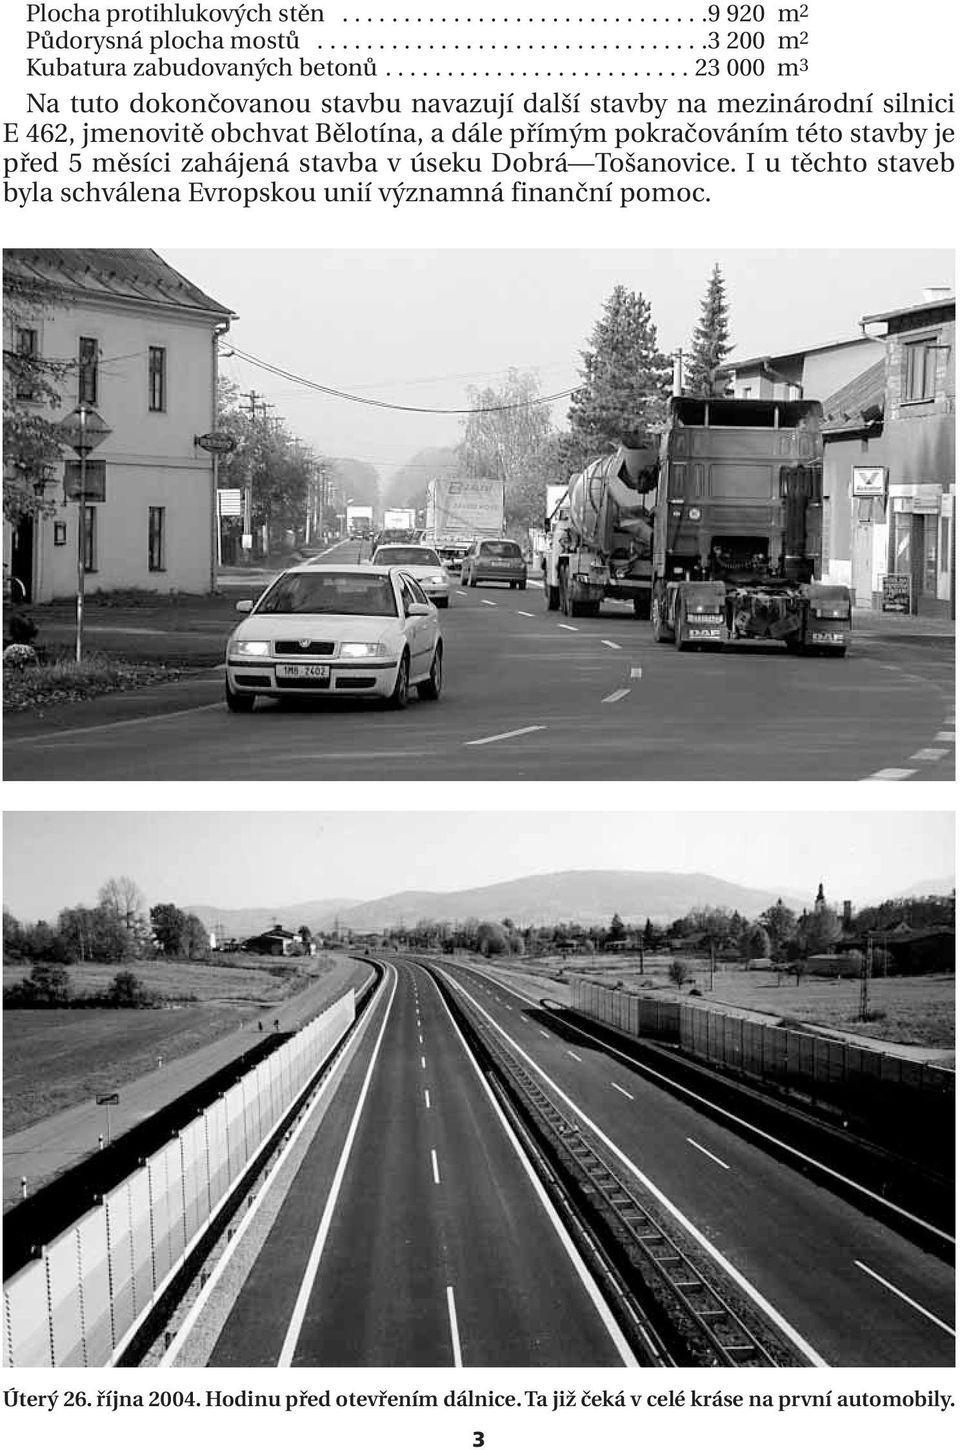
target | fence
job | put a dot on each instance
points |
(84, 1299)
(909, 1104)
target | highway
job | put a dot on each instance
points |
(530, 695)
(432, 1246)
(413, 1235)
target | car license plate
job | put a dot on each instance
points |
(303, 672)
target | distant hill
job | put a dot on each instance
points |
(943, 887)
(588, 897)
(241, 921)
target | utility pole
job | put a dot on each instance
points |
(866, 973)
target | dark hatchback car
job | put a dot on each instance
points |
(494, 561)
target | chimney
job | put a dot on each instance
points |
(678, 374)
(847, 915)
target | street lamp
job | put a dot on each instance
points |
(83, 430)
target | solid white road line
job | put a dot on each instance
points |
(906, 1299)
(454, 1331)
(507, 735)
(574, 1055)
(436, 1165)
(794, 1335)
(627, 1356)
(707, 1154)
(571, 627)
(114, 724)
(612, 699)
(313, 1262)
(622, 1090)
(610, 644)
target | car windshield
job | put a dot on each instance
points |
(330, 594)
(399, 554)
(501, 549)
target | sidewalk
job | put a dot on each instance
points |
(46, 1148)
(902, 628)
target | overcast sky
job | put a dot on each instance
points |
(417, 327)
(268, 859)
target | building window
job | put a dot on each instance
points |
(157, 384)
(90, 539)
(919, 370)
(27, 346)
(87, 373)
(157, 540)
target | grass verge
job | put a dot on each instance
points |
(58, 681)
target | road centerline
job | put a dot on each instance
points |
(906, 1298)
(454, 1330)
(707, 1154)
(507, 735)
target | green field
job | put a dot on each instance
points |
(55, 1058)
(916, 1011)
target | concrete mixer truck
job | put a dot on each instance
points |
(599, 537)
(738, 525)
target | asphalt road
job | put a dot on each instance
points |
(412, 1234)
(854, 1290)
(532, 696)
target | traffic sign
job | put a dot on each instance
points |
(83, 430)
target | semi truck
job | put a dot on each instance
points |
(461, 510)
(359, 521)
(737, 528)
(600, 532)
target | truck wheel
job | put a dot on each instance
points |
(564, 597)
(551, 596)
(661, 632)
(679, 642)
(523, 583)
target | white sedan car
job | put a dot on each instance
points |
(423, 563)
(336, 629)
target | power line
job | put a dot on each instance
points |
(379, 403)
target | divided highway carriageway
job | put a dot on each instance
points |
(482, 1184)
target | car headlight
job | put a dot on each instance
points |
(360, 651)
(251, 647)
(436, 579)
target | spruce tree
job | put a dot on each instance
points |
(626, 378)
(711, 342)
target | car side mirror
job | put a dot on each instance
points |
(417, 610)
(243, 606)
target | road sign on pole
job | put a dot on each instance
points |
(82, 430)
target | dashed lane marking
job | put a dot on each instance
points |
(929, 754)
(436, 1165)
(543, 1034)
(489, 603)
(892, 773)
(612, 699)
(507, 735)
(906, 1299)
(423, 1063)
(707, 1154)
(526, 614)
(574, 1055)
(454, 1331)
(571, 627)
(945, 735)
(426, 1096)
(610, 644)
(622, 1090)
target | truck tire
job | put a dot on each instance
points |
(563, 595)
(662, 634)
(680, 644)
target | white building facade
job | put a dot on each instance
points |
(140, 344)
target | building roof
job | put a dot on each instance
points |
(132, 275)
(858, 402)
(932, 305)
(768, 359)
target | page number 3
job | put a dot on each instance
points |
(477, 1439)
